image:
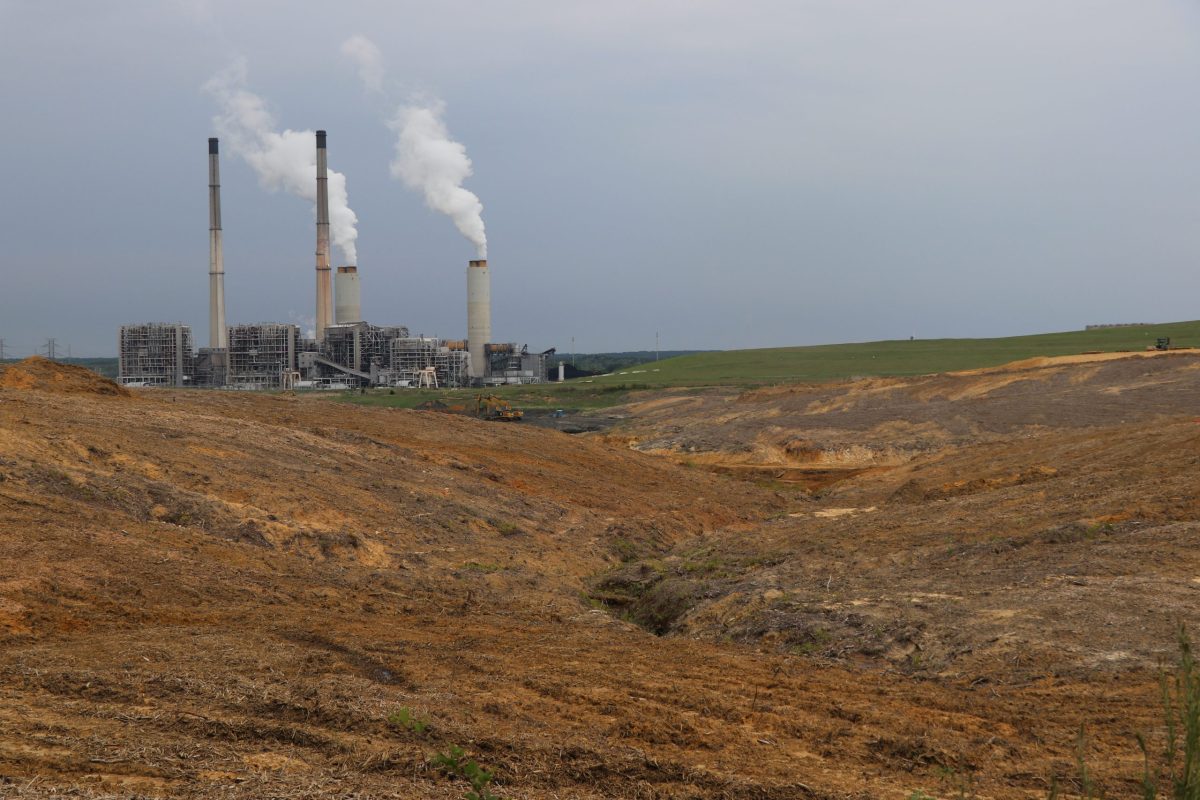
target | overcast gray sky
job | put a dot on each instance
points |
(732, 174)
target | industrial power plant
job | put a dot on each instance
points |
(345, 351)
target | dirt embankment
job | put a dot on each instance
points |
(1010, 523)
(1061, 554)
(781, 432)
(219, 595)
(46, 375)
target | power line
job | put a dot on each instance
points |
(51, 344)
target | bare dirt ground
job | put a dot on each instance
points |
(220, 595)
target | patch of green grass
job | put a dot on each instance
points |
(893, 357)
(571, 396)
(705, 566)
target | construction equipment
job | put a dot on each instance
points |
(493, 408)
(1163, 343)
(486, 406)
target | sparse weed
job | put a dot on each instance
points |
(705, 566)
(1174, 772)
(626, 550)
(816, 639)
(963, 783)
(455, 763)
(404, 718)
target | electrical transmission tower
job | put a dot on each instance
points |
(51, 345)
(2, 354)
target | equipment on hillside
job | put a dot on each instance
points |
(1163, 343)
(487, 407)
(493, 408)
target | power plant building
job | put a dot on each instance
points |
(347, 351)
(155, 354)
(262, 356)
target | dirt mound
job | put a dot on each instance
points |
(43, 375)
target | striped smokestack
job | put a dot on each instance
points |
(479, 315)
(324, 278)
(216, 259)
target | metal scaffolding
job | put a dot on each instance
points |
(155, 354)
(452, 367)
(261, 356)
(361, 347)
(411, 357)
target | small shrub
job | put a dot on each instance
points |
(626, 550)
(508, 528)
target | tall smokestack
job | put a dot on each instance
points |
(479, 314)
(216, 260)
(324, 278)
(348, 307)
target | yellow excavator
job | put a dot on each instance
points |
(487, 406)
(491, 407)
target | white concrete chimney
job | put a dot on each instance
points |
(348, 296)
(479, 315)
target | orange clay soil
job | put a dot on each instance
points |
(228, 595)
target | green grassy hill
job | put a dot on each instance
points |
(897, 357)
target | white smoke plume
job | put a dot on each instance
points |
(429, 160)
(282, 160)
(306, 322)
(369, 60)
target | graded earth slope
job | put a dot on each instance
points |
(1008, 523)
(228, 595)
